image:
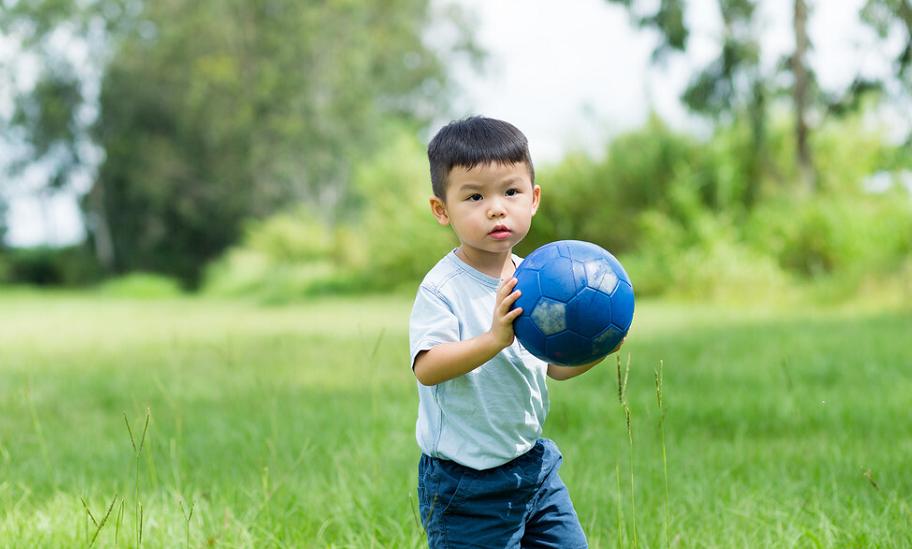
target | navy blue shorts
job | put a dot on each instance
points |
(522, 503)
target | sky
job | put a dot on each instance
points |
(570, 75)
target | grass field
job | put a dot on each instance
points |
(294, 426)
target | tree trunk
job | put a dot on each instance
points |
(101, 230)
(48, 227)
(800, 96)
(759, 158)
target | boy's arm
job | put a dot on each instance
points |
(449, 360)
(561, 373)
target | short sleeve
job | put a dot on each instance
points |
(432, 322)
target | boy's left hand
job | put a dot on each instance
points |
(502, 324)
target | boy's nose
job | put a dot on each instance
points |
(495, 209)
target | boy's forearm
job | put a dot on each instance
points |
(450, 360)
(561, 373)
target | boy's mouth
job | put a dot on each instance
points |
(500, 232)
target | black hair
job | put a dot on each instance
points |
(473, 141)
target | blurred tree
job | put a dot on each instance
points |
(51, 121)
(601, 200)
(211, 112)
(731, 85)
(801, 94)
(47, 118)
(891, 20)
(46, 124)
(734, 85)
(4, 227)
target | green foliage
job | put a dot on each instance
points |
(892, 19)
(279, 258)
(391, 241)
(141, 286)
(837, 234)
(49, 266)
(667, 19)
(206, 126)
(677, 211)
(705, 261)
(48, 119)
(213, 113)
(4, 269)
(399, 238)
(848, 151)
(600, 200)
(688, 221)
(4, 225)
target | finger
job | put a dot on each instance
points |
(507, 286)
(508, 301)
(514, 314)
(512, 297)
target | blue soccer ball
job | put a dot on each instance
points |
(577, 303)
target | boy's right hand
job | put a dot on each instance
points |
(502, 326)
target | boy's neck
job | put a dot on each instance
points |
(498, 265)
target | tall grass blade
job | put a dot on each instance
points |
(869, 475)
(622, 397)
(130, 431)
(620, 380)
(142, 441)
(119, 521)
(36, 424)
(104, 521)
(414, 512)
(88, 511)
(659, 379)
(620, 504)
(187, 518)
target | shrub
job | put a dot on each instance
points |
(5, 269)
(399, 238)
(392, 241)
(704, 261)
(49, 266)
(688, 218)
(845, 234)
(141, 286)
(278, 258)
(600, 200)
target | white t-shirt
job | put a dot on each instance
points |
(494, 413)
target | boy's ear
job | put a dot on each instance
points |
(438, 208)
(536, 198)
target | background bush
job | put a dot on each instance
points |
(69, 266)
(681, 213)
(141, 286)
(389, 241)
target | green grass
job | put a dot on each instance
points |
(294, 426)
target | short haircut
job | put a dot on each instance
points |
(473, 141)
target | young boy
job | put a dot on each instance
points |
(485, 477)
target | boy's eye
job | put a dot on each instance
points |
(474, 198)
(512, 192)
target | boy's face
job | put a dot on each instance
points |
(490, 206)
